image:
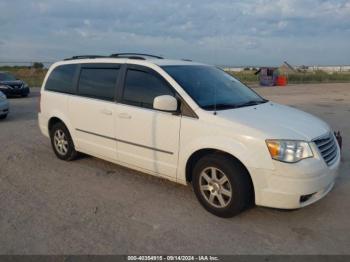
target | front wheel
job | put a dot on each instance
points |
(222, 185)
(62, 142)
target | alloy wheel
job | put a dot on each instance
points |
(61, 142)
(215, 187)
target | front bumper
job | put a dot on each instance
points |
(16, 91)
(4, 107)
(291, 186)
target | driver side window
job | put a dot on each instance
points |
(142, 87)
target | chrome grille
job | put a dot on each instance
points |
(327, 145)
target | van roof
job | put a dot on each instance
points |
(165, 62)
(159, 62)
(126, 57)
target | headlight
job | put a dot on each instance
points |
(4, 87)
(289, 151)
(2, 96)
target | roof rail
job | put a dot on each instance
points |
(135, 56)
(85, 57)
(129, 57)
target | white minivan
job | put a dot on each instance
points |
(190, 123)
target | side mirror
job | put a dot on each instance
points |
(165, 103)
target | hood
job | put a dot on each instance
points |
(275, 121)
(12, 82)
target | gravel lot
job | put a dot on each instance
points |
(90, 206)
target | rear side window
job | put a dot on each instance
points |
(98, 83)
(141, 88)
(61, 79)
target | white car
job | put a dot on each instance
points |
(190, 123)
(4, 106)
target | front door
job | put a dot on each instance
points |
(146, 138)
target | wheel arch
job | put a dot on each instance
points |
(54, 120)
(70, 148)
(195, 156)
(57, 118)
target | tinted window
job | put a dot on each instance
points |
(7, 77)
(61, 79)
(141, 88)
(212, 88)
(98, 82)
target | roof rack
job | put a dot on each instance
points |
(135, 56)
(85, 57)
(119, 55)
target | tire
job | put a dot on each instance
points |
(231, 177)
(3, 116)
(24, 95)
(62, 143)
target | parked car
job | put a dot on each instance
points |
(4, 106)
(190, 123)
(11, 86)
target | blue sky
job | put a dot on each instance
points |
(223, 32)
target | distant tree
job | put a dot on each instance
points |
(246, 69)
(38, 65)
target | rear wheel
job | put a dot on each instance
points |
(3, 116)
(222, 185)
(62, 142)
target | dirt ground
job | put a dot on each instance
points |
(90, 206)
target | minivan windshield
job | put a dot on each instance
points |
(6, 77)
(212, 88)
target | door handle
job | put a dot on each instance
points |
(124, 115)
(106, 112)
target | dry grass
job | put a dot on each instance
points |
(249, 77)
(33, 77)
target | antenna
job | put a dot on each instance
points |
(215, 101)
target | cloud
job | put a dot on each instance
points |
(221, 32)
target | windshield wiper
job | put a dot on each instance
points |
(253, 103)
(220, 106)
(223, 106)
